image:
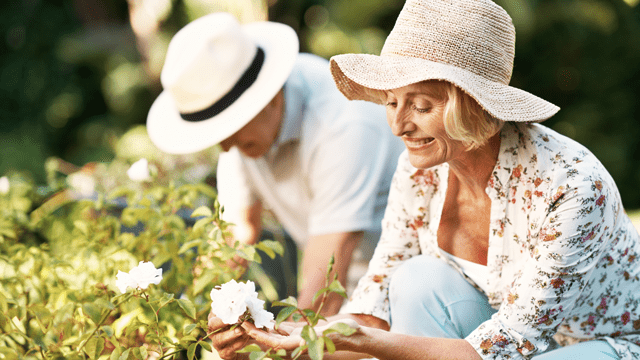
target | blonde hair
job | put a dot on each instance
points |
(464, 119)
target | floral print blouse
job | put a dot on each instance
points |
(563, 256)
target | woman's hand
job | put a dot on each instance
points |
(227, 341)
(291, 341)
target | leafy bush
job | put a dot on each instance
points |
(59, 259)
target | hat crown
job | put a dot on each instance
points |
(474, 35)
(204, 61)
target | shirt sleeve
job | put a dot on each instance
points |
(574, 233)
(349, 173)
(398, 242)
(234, 189)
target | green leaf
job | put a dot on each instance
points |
(188, 246)
(319, 293)
(298, 351)
(274, 245)
(266, 250)
(285, 313)
(331, 347)
(166, 298)
(201, 223)
(125, 355)
(93, 311)
(205, 345)
(10, 233)
(290, 301)
(309, 313)
(108, 330)
(206, 279)
(143, 352)
(296, 317)
(341, 328)
(82, 226)
(115, 354)
(202, 211)
(316, 348)
(257, 355)
(249, 348)
(104, 304)
(337, 288)
(188, 308)
(249, 253)
(308, 333)
(42, 314)
(191, 352)
(94, 347)
(189, 328)
(188, 339)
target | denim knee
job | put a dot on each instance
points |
(419, 278)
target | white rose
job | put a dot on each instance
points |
(261, 317)
(4, 185)
(231, 300)
(139, 171)
(139, 277)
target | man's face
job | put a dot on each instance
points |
(255, 139)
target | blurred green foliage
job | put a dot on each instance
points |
(59, 265)
(75, 75)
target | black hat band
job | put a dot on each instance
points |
(246, 80)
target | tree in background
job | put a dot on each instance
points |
(77, 74)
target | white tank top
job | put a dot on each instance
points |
(476, 272)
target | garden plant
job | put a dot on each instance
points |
(125, 274)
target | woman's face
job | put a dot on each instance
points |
(416, 115)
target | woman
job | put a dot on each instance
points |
(499, 233)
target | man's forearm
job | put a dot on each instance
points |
(316, 257)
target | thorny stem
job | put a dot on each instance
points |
(155, 313)
(178, 350)
(104, 318)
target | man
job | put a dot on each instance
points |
(293, 143)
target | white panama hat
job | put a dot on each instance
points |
(217, 76)
(470, 43)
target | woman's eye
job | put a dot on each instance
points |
(422, 110)
(390, 103)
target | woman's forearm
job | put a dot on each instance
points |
(385, 345)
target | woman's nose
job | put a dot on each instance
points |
(397, 121)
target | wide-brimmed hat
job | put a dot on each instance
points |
(217, 76)
(470, 43)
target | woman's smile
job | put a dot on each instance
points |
(416, 143)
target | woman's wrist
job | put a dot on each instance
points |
(362, 341)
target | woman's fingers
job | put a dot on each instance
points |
(285, 329)
(273, 340)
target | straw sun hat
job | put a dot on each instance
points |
(217, 76)
(469, 43)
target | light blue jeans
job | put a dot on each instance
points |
(430, 298)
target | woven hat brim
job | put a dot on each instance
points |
(172, 134)
(365, 77)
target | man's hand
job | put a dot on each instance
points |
(227, 341)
